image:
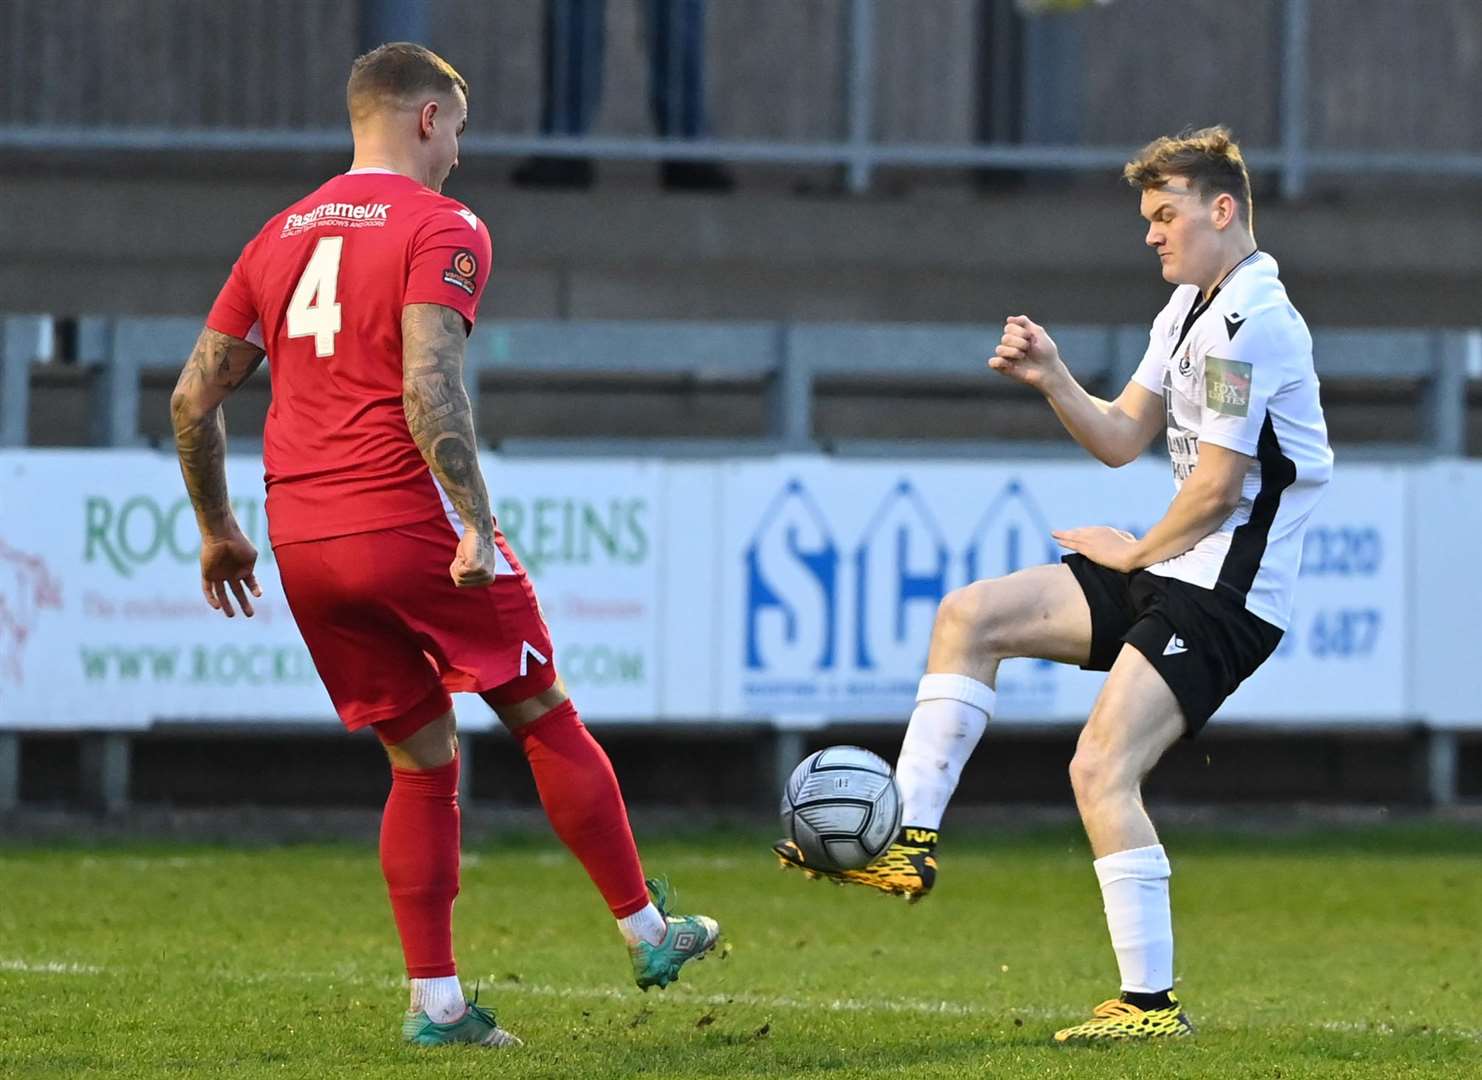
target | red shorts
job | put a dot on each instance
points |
(391, 634)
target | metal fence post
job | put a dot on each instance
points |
(105, 771)
(1295, 25)
(1446, 395)
(23, 338)
(10, 770)
(1440, 767)
(116, 403)
(859, 92)
(794, 394)
(788, 747)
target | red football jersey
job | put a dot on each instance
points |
(321, 289)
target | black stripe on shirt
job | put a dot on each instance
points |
(1248, 545)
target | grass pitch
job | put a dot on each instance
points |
(1354, 954)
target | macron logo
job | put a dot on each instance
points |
(528, 650)
(1173, 648)
(467, 215)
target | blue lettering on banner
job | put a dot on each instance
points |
(792, 569)
(902, 565)
(901, 517)
(1011, 534)
(1347, 551)
(1344, 633)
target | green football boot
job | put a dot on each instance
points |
(476, 1026)
(688, 937)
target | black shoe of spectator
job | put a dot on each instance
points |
(695, 176)
(554, 172)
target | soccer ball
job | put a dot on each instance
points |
(842, 807)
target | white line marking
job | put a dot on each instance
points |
(48, 967)
(679, 996)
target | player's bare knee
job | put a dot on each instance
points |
(521, 714)
(1085, 774)
(965, 620)
(431, 747)
(1100, 767)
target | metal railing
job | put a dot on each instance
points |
(788, 360)
(294, 109)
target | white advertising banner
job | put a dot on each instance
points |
(796, 588)
(834, 570)
(102, 623)
(1345, 655)
(1445, 653)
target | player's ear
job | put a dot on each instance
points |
(1224, 209)
(426, 117)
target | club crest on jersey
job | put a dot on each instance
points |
(1185, 363)
(1227, 386)
(463, 271)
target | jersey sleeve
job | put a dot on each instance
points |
(1240, 378)
(235, 311)
(449, 262)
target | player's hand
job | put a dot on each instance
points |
(473, 567)
(227, 561)
(1103, 545)
(1027, 354)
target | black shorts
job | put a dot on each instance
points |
(1203, 642)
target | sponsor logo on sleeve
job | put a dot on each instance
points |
(1227, 386)
(463, 271)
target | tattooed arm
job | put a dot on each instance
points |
(218, 365)
(441, 421)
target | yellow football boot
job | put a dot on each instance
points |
(1118, 1019)
(908, 868)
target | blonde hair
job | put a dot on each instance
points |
(393, 73)
(1209, 159)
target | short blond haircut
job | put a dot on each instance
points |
(1209, 159)
(396, 74)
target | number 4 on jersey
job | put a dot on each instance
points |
(312, 310)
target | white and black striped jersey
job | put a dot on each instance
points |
(1237, 371)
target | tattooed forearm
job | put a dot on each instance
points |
(438, 412)
(218, 365)
(202, 450)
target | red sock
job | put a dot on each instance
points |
(581, 797)
(419, 857)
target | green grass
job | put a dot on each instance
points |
(1353, 954)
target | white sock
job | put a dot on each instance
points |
(441, 998)
(950, 716)
(646, 925)
(1134, 891)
